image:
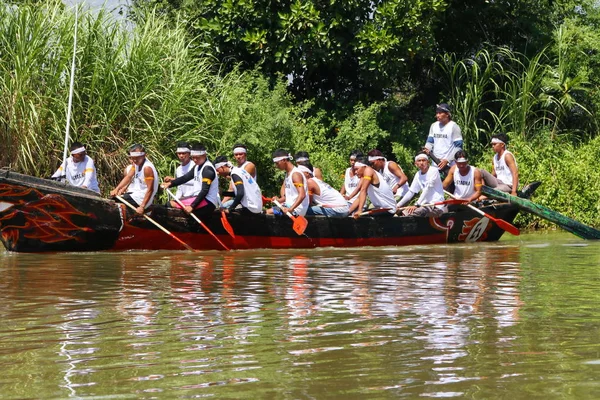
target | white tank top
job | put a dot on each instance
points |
(252, 199)
(464, 186)
(330, 197)
(503, 173)
(138, 186)
(350, 184)
(392, 180)
(255, 170)
(382, 196)
(213, 190)
(187, 189)
(76, 173)
(291, 192)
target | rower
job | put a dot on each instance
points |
(373, 186)
(350, 189)
(445, 137)
(80, 170)
(327, 200)
(240, 154)
(427, 181)
(466, 178)
(188, 189)
(140, 180)
(206, 183)
(293, 194)
(302, 158)
(391, 172)
(245, 189)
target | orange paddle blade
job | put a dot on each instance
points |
(508, 227)
(300, 224)
(226, 224)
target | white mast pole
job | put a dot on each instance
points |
(66, 147)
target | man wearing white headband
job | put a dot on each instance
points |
(245, 189)
(206, 184)
(505, 168)
(373, 186)
(445, 137)
(466, 178)
(302, 158)
(188, 189)
(240, 154)
(327, 201)
(427, 181)
(391, 172)
(140, 180)
(293, 194)
(80, 170)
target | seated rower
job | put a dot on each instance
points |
(427, 181)
(240, 154)
(302, 158)
(140, 180)
(293, 196)
(246, 192)
(351, 180)
(187, 189)
(80, 170)
(391, 172)
(373, 186)
(466, 178)
(206, 184)
(327, 200)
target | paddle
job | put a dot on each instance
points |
(162, 228)
(508, 227)
(439, 203)
(375, 211)
(196, 218)
(226, 224)
(300, 223)
(438, 162)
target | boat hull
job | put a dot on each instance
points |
(38, 215)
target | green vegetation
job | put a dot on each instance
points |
(322, 77)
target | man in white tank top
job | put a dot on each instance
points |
(325, 199)
(350, 188)
(246, 192)
(373, 186)
(427, 181)
(445, 137)
(188, 189)
(293, 194)
(80, 170)
(140, 181)
(391, 171)
(504, 165)
(466, 178)
(240, 154)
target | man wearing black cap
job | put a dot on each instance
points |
(445, 137)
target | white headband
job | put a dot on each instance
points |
(375, 158)
(239, 150)
(302, 159)
(302, 168)
(222, 164)
(78, 150)
(358, 164)
(462, 159)
(136, 153)
(421, 157)
(182, 150)
(277, 159)
(198, 152)
(353, 157)
(496, 140)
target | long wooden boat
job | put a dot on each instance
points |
(39, 215)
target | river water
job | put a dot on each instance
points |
(513, 319)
